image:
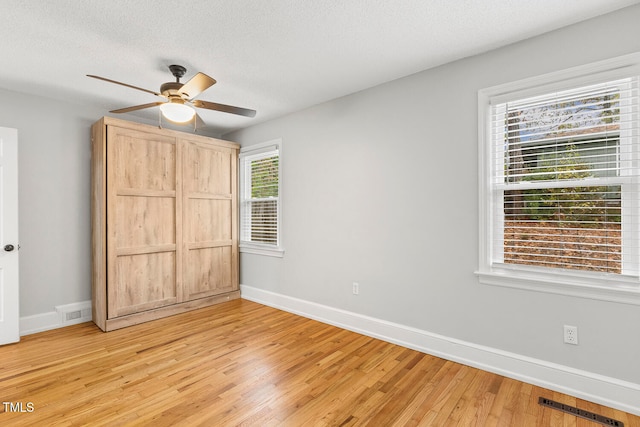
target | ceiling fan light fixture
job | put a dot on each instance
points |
(177, 112)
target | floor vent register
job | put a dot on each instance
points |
(580, 412)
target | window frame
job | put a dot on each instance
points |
(592, 285)
(256, 247)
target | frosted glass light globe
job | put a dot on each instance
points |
(176, 112)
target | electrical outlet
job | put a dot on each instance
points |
(571, 334)
(356, 288)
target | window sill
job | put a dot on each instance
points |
(258, 250)
(625, 291)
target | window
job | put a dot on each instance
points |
(260, 199)
(560, 182)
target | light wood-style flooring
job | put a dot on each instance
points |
(241, 363)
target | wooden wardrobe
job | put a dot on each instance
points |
(164, 222)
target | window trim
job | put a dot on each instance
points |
(253, 247)
(591, 285)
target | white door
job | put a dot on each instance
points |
(9, 302)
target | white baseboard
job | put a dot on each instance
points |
(593, 387)
(64, 315)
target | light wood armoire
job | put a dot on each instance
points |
(164, 222)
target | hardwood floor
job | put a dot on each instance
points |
(241, 363)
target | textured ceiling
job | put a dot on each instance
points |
(274, 56)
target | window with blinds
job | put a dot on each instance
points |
(564, 179)
(260, 197)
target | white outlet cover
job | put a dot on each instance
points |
(571, 334)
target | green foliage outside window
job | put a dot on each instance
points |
(264, 178)
(589, 205)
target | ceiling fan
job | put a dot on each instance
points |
(179, 97)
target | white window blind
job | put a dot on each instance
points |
(260, 197)
(564, 179)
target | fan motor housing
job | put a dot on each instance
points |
(170, 88)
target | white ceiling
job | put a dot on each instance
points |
(274, 56)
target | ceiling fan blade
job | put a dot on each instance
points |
(194, 87)
(136, 107)
(125, 84)
(224, 108)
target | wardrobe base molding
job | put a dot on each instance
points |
(170, 310)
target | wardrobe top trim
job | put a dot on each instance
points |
(111, 121)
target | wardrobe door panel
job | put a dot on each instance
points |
(143, 161)
(209, 220)
(208, 169)
(145, 221)
(142, 251)
(209, 271)
(142, 282)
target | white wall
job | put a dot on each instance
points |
(380, 187)
(53, 180)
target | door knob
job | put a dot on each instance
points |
(9, 248)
